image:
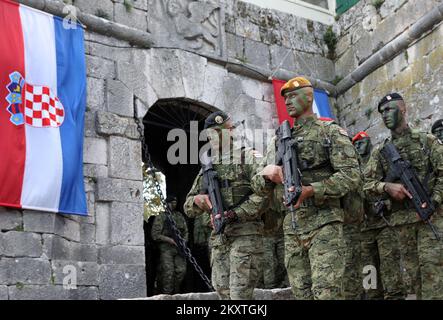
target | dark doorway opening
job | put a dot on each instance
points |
(161, 118)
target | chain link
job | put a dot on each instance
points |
(181, 242)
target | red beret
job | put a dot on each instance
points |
(360, 136)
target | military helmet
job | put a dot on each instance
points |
(359, 136)
(294, 84)
(216, 118)
(388, 98)
(437, 124)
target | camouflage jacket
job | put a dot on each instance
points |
(236, 175)
(425, 153)
(161, 230)
(202, 229)
(328, 163)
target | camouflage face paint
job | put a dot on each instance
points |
(392, 116)
(298, 101)
(362, 146)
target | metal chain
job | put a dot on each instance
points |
(181, 242)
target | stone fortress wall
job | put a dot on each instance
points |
(218, 55)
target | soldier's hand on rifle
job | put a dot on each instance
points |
(397, 191)
(229, 216)
(273, 173)
(202, 201)
(171, 241)
(306, 192)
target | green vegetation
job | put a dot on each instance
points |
(128, 5)
(330, 38)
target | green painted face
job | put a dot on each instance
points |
(298, 101)
(439, 133)
(392, 116)
(363, 146)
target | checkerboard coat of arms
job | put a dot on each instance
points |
(34, 105)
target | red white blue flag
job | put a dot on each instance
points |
(42, 106)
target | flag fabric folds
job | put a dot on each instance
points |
(321, 103)
(42, 106)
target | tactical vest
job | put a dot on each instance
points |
(415, 148)
(235, 187)
(314, 150)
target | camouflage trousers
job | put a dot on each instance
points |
(236, 265)
(409, 258)
(171, 270)
(430, 257)
(315, 262)
(380, 250)
(274, 271)
(352, 279)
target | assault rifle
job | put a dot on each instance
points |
(287, 157)
(212, 185)
(401, 169)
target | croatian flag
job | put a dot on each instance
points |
(42, 106)
(320, 107)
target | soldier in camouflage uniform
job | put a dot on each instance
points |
(314, 250)
(171, 268)
(379, 242)
(201, 251)
(437, 129)
(274, 271)
(425, 153)
(236, 254)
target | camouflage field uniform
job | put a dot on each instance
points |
(236, 255)
(274, 271)
(380, 248)
(171, 268)
(354, 213)
(314, 251)
(425, 154)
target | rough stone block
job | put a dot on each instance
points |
(10, 219)
(95, 151)
(122, 281)
(346, 63)
(125, 158)
(110, 124)
(95, 170)
(106, 47)
(253, 88)
(282, 57)
(257, 53)
(84, 273)
(100, 68)
(135, 18)
(127, 223)
(67, 228)
(165, 64)
(20, 244)
(100, 8)
(95, 99)
(193, 68)
(90, 124)
(62, 249)
(120, 99)
(3, 293)
(24, 271)
(87, 233)
(133, 76)
(122, 255)
(35, 221)
(119, 190)
(103, 224)
(213, 83)
(246, 29)
(235, 46)
(52, 292)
